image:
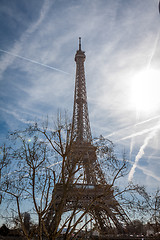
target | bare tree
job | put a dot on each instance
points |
(40, 176)
(155, 210)
(132, 197)
(4, 163)
(39, 165)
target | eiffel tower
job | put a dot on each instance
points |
(94, 195)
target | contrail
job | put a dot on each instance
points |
(148, 120)
(140, 133)
(54, 164)
(145, 170)
(33, 61)
(153, 51)
(139, 123)
(132, 140)
(149, 173)
(130, 126)
(131, 148)
(141, 152)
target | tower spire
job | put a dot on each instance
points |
(80, 123)
(79, 43)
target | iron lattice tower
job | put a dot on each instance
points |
(105, 209)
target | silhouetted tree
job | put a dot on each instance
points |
(4, 163)
(38, 164)
(155, 210)
(132, 197)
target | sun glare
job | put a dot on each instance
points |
(145, 91)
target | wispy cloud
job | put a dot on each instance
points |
(6, 60)
(139, 133)
(149, 172)
(33, 61)
(141, 151)
(119, 39)
(16, 116)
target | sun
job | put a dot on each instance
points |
(145, 91)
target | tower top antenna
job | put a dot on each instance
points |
(79, 43)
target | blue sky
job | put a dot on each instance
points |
(122, 45)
